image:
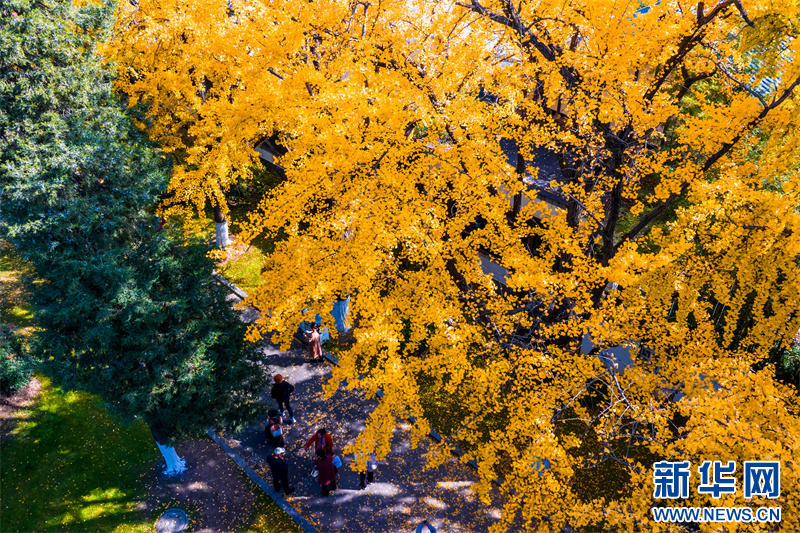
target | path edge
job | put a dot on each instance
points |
(262, 484)
(231, 287)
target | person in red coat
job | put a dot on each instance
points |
(321, 440)
(326, 472)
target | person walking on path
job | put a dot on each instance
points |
(321, 440)
(368, 476)
(326, 471)
(425, 522)
(281, 391)
(280, 471)
(314, 344)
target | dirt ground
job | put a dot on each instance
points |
(10, 406)
(215, 493)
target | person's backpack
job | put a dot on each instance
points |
(274, 430)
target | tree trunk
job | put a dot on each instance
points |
(517, 205)
(222, 228)
(341, 312)
(175, 465)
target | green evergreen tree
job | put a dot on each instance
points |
(16, 366)
(125, 310)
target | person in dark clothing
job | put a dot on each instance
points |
(274, 429)
(326, 471)
(280, 471)
(281, 391)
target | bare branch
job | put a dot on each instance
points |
(567, 196)
(750, 91)
(750, 228)
(688, 80)
(526, 36)
(690, 41)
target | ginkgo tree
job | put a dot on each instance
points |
(675, 128)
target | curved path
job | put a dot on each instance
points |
(403, 492)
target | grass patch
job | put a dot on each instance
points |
(243, 263)
(245, 270)
(69, 466)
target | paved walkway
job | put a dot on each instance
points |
(403, 493)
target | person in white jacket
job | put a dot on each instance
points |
(369, 475)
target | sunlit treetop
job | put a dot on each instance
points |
(671, 224)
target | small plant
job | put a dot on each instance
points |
(16, 365)
(332, 348)
(788, 368)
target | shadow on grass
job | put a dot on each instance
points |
(69, 466)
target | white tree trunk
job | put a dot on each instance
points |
(222, 234)
(175, 465)
(221, 222)
(341, 313)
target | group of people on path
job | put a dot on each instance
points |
(326, 463)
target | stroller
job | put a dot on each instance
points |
(274, 429)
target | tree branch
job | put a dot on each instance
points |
(750, 91)
(691, 40)
(711, 161)
(526, 36)
(688, 80)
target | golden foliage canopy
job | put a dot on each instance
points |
(676, 131)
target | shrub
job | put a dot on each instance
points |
(16, 366)
(788, 367)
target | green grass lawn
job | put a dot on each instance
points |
(244, 269)
(70, 467)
